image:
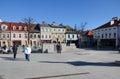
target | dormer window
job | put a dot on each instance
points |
(25, 28)
(4, 27)
(14, 27)
(20, 27)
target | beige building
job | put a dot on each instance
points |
(58, 33)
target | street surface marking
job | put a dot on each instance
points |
(59, 75)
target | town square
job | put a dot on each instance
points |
(59, 39)
(70, 64)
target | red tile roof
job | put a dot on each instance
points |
(89, 33)
(11, 24)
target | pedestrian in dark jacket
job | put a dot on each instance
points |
(59, 47)
(14, 48)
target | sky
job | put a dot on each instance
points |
(68, 12)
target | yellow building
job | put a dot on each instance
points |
(58, 33)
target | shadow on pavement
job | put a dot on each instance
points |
(100, 49)
(12, 59)
(84, 63)
(1, 76)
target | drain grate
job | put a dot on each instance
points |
(59, 75)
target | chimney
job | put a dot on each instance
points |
(114, 19)
(112, 22)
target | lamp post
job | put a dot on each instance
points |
(98, 43)
(57, 39)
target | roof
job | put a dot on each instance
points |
(115, 23)
(89, 33)
(13, 23)
(71, 32)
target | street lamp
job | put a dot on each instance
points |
(98, 43)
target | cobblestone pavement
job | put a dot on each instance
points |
(72, 64)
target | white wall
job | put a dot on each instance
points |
(71, 37)
(104, 31)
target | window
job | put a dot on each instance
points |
(109, 35)
(26, 35)
(68, 36)
(114, 28)
(58, 29)
(14, 35)
(63, 30)
(39, 36)
(105, 35)
(3, 27)
(72, 36)
(34, 36)
(42, 36)
(7, 35)
(46, 30)
(114, 35)
(49, 36)
(34, 42)
(62, 36)
(19, 35)
(54, 29)
(25, 28)
(3, 35)
(46, 36)
(43, 29)
(14, 27)
(20, 27)
(31, 36)
(102, 36)
(58, 36)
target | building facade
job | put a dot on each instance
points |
(58, 33)
(12, 32)
(108, 34)
(18, 33)
(71, 37)
(45, 32)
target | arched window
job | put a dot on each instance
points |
(31, 36)
(34, 36)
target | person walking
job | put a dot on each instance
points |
(14, 48)
(25, 51)
(28, 52)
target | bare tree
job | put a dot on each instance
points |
(80, 36)
(82, 27)
(28, 21)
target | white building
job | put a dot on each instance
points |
(71, 37)
(46, 33)
(109, 33)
